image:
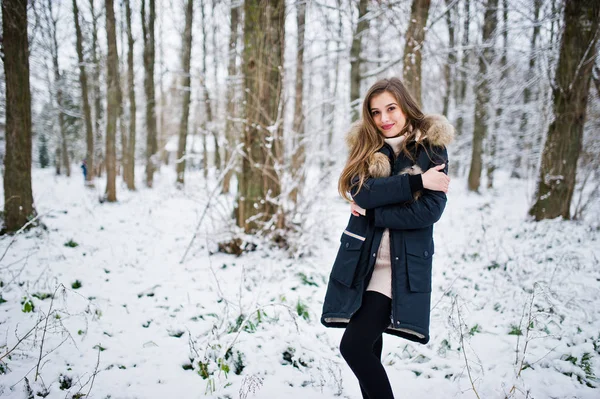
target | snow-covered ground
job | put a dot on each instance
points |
(129, 320)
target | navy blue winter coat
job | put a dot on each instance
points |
(390, 203)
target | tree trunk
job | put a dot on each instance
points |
(162, 128)
(130, 172)
(230, 135)
(259, 185)
(123, 166)
(415, 36)
(526, 141)
(334, 91)
(122, 128)
(186, 57)
(98, 162)
(18, 197)
(112, 100)
(451, 62)
(570, 93)
(482, 94)
(206, 95)
(151, 142)
(298, 157)
(493, 141)
(215, 132)
(52, 26)
(460, 91)
(362, 26)
(87, 112)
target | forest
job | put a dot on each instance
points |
(170, 210)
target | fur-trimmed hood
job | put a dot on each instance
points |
(440, 132)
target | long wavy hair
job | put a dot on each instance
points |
(370, 139)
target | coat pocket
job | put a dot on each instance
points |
(347, 258)
(419, 260)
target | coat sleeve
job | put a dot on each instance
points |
(380, 191)
(422, 213)
(418, 214)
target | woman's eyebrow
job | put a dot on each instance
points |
(385, 106)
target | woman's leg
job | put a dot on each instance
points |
(358, 345)
(377, 349)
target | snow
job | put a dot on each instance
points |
(494, 272)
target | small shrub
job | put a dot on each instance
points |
(176, 333)
(42, 295)
(28, 305)
(302, 310)
(2, 300)
(515, 330)
(65, 382)
(475, 329)
(76, 285)
(71, 244)
(203, 370)
(238, 363)
(99, 347)
(307, 280)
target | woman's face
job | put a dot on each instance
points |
(387, 114)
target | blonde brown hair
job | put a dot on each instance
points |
(370, 140)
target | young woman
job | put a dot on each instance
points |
(396, 180)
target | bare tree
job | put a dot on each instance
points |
(98, 162)
(451, 61)
(206, 100)
(151, 141)
(215, 32)
(121, 103)
(186, 57)
(112, 107)
(335, 80)
(87, 111)
(259, 184)
(299, 156)
(493, 139)
(519, 163)
(460, 92)
(415, 36)
(355, 78)
(52, 22)
(556, 180)
(130, 170)
(18, 197)
(482, 94)
(230, 136)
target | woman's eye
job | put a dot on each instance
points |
(374, 113)
(390, 109)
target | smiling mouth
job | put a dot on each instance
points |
(388, 127)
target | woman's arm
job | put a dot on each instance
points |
(382, 191)
(421, 213)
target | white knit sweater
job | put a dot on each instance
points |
(381, 280)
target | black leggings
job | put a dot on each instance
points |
(362, 344)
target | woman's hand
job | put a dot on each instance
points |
(435, 180)
(357, 210)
